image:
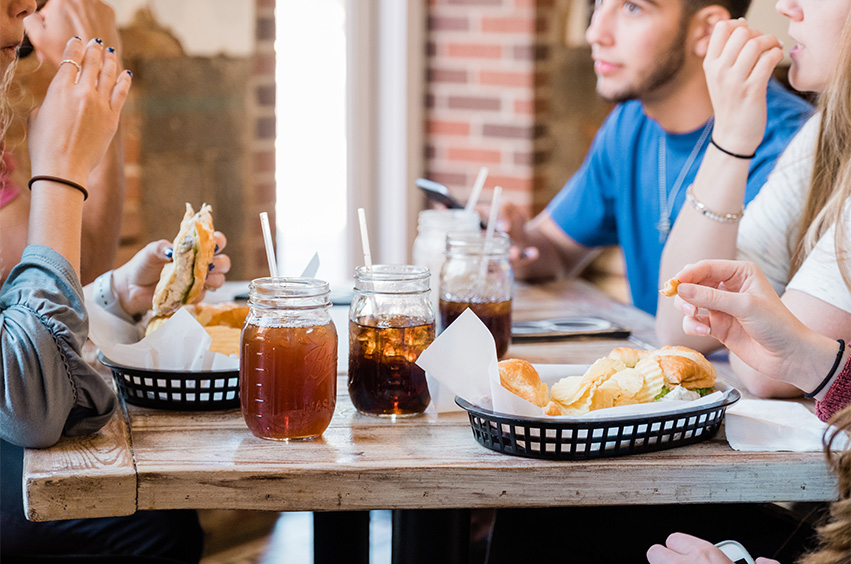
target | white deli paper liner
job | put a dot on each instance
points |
(462, 361)
(775, 425)
(181, 343)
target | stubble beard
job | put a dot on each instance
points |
(670, 64)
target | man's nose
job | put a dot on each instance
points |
(599, 31)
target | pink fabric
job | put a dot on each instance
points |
(8, 191)
(838, 395)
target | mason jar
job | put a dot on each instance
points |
(391, 322)
(478, 275)
(430, 244)
(288, 359)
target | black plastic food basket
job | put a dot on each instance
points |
(183, 390)
(595, 438)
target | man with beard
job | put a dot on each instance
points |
(648, 57)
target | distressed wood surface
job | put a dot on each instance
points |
(211, 460)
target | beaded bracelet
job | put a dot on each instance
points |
(719, 217)
(35, 179)
(831, 373)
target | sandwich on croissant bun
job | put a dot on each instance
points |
(182, 280)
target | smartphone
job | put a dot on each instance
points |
(735, 552)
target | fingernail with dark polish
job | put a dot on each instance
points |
(212, 266)
(217, 249)
(110, 49)
(78, 38)
(128, 72)
(169, 253)
(99, 41)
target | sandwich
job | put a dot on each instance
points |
(182, 280)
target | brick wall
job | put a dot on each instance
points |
(487, 94)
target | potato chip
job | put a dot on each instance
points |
(653, 380)
(630, 380)
(568, 390)
(600, 371)
(606, 394)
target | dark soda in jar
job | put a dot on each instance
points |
(288, 380)
(495, 315)
(383, 377)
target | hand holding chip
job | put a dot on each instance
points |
(681, 548)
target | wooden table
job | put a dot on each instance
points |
(153, 459)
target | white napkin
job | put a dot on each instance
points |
(773, 425)
(181, 343)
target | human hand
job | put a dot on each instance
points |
(135, 281)
(50, 28)
(70, 132)
(738, 65)
(733, 302)
(681, 548)
(512, 221)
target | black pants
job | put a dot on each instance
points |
(170, 535)
(623, 534)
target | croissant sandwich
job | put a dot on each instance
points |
(182, 280)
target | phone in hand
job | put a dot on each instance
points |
(735, 552)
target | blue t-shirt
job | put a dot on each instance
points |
(614, 198)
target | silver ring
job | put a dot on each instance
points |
(73, 62)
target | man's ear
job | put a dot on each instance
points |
(701, 25)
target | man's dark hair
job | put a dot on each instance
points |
(737, 8)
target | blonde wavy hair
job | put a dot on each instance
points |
(835, 535)
(830, 185)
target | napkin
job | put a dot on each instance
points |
(462, 361)
(181, 343)
(774, 425)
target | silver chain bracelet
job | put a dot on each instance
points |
(719, 217)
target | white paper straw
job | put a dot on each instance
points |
(492, 218)
(477, 189)
(364, 239)
(270, 248)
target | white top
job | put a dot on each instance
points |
(770, 227)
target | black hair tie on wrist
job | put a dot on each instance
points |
(832, 371)
(726, 152)
(74, 185)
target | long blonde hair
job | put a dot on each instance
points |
(830, 184)
(835, 535)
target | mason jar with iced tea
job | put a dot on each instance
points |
(477, 275)
(288, 359)
(391, 321)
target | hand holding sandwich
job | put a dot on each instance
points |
(136, 280)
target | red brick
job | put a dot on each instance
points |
(447, 75)
(520, 184)
(506, 78)
(449, 179)
(524, 107)
(512, 131)
(436, 127)
(265, 29)
(265, 3)
(509, 25)
(474, 50)
(264, 161)
(474, 155)
(438, 23)
(475, 2)
(474, 103)
(531, 52)
(264, 64)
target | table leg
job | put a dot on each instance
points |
(341, 536)
(431, 535)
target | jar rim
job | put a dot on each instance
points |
(392, 272)
(459, 240)
(295, 287)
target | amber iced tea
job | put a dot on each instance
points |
(383, 379)
(288, 379)
(495, 315)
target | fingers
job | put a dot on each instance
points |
(34, 25)
(108, 72)
(221, 241)
(73, 52)
(92, 62)
(120, 90)
(218, 268)
(720, 36)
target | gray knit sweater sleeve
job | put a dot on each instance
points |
(46, 388)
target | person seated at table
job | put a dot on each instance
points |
(834, 535)
(734, 302)
(49, 390)
(48, 30)
(790, 228)
(629, 190)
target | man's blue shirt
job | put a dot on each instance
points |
(614, 198)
